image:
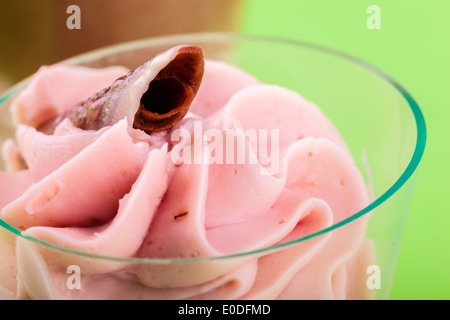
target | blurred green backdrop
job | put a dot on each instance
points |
(413, 46)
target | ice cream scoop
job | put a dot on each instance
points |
(131, 202)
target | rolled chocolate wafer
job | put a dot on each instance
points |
(153, 97)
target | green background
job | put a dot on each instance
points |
(413, 46)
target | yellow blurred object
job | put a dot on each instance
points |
(5, 83)
(34, 33)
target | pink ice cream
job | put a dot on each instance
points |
(120, 192)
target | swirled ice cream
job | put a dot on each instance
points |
(181, 162)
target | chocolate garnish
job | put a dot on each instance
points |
(154, 97)
(178, 216)
(170, 94)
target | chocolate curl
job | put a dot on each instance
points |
(154, 97)
(171, 93)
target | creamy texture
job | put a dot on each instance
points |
(117, 192)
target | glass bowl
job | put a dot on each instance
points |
(385, 133)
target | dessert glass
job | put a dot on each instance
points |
(378, 119)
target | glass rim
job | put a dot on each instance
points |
(413, 164)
